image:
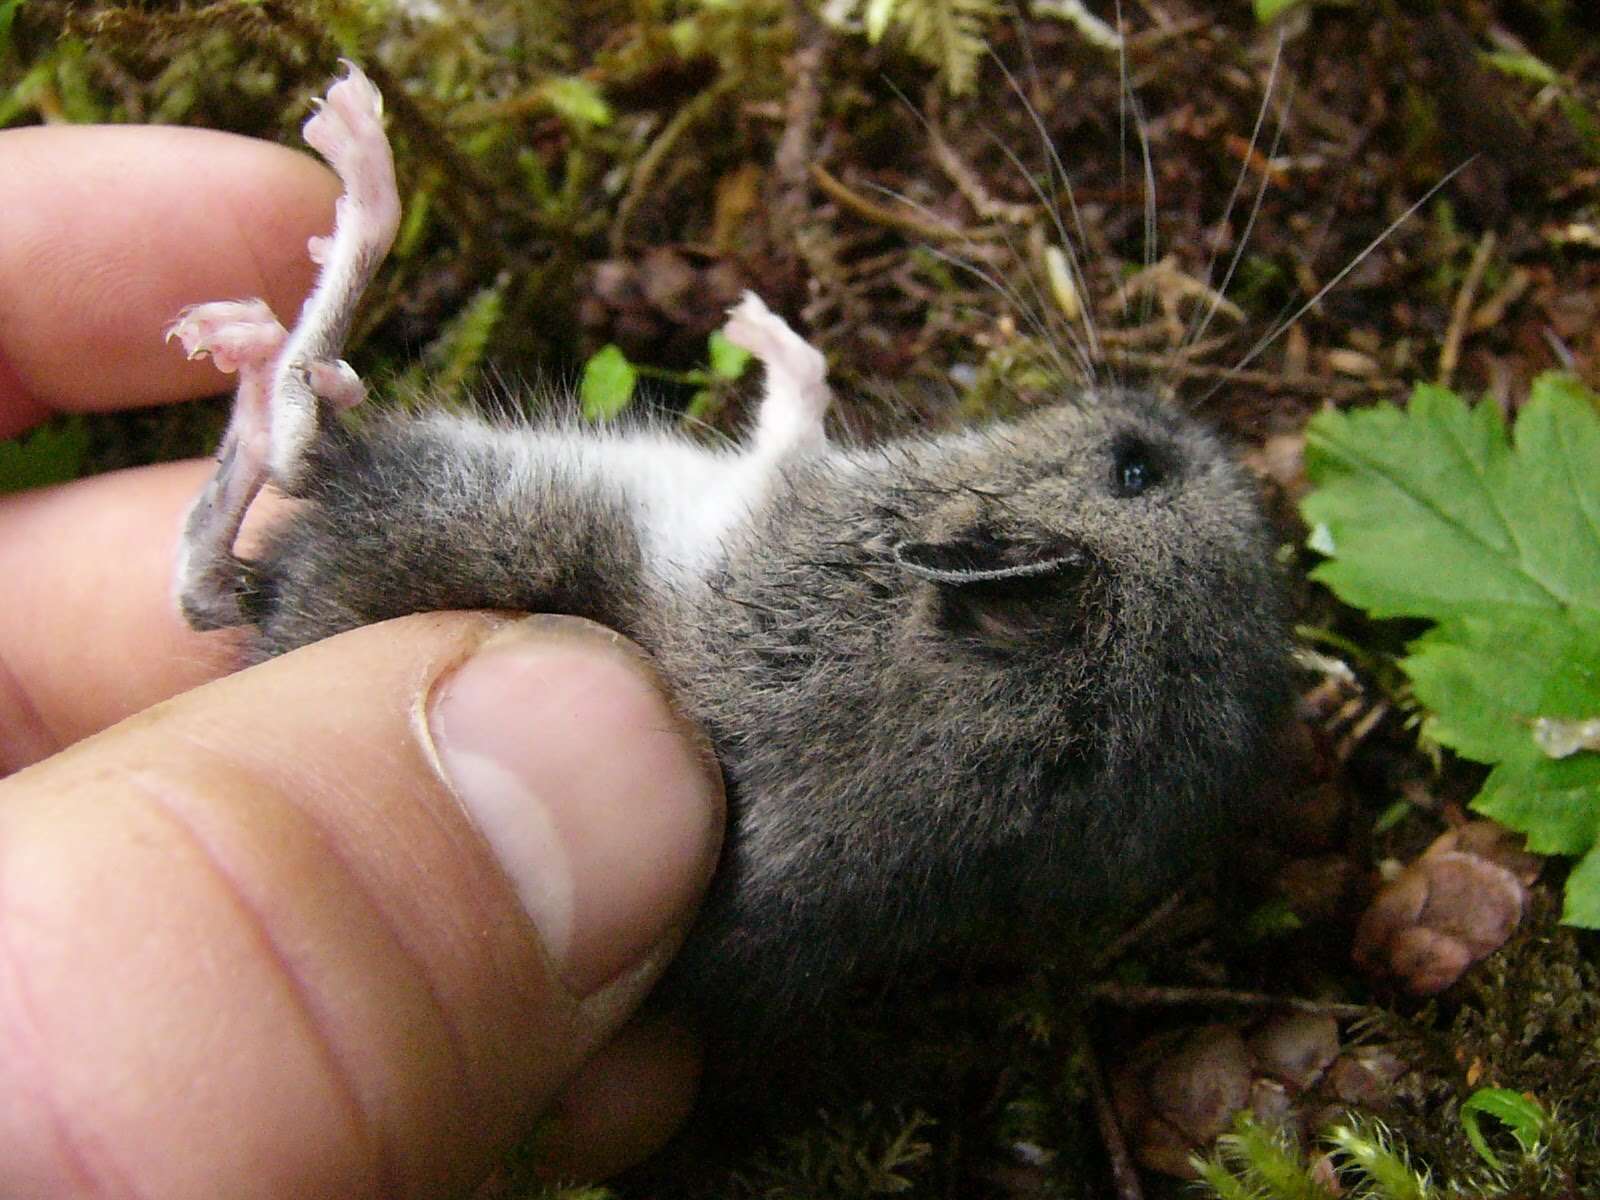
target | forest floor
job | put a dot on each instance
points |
(581, 174)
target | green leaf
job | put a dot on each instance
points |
(1425, 488)
(1488, 680)
(1522, 65)
(1553, 804)
(1434, 512)
(727, 360)
(1524, 1117)
(1271, 10)
(50, 454)
(608, 383)
(1582, 907)
(577, 100)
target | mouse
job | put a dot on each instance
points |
(955, 681)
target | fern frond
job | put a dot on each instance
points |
(948, 34)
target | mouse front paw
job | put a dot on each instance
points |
(237, 335)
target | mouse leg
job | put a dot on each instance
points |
(287, 379)
(790, 418)
(243, 337)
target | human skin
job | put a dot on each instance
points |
(332, 925)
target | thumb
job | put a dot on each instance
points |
(343, 923)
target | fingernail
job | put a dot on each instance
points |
(601, 805)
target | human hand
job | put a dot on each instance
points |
(341, 924)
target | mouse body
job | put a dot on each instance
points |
(954, 681)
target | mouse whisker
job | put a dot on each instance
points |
(1198, 331)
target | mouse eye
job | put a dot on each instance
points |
(1135, 468)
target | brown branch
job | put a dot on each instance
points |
(1315, 385)
(1125, 995)
(791, 197)
(1461, 314)
(1124, 1178)
(890, 218)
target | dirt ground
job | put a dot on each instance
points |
(1265, 219)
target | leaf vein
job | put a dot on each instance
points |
(1450, 520)
(1575, 485)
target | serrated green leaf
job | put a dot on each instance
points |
(727, 360)
(608, 383)
(1427, 488)
(1582, 907)
(1434, 512)
(50, 454)
(1554, 804)
(1487, 681)
(1525, 1118)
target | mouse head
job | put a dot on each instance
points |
(1115, 523)
(1106, 565)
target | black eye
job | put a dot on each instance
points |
(1135, 468)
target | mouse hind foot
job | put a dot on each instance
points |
(790, 418)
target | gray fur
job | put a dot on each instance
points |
(953, 682)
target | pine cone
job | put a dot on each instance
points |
(1180, 1090)
(1455, 905)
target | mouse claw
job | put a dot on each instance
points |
(347, 130)
(235, 334)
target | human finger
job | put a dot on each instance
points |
(342, 923)
(107, 231)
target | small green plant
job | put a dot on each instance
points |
(1258, 1162)
(1434, 512)
(1524, 1116)
(1520, 64)
(947, 34)
(950, 34)
(609, 379)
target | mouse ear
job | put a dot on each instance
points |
(996, 594)
(982, 558)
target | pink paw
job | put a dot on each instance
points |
(347, 130)
(787, 356)
(234, 333)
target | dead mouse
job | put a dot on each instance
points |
(954, 682)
